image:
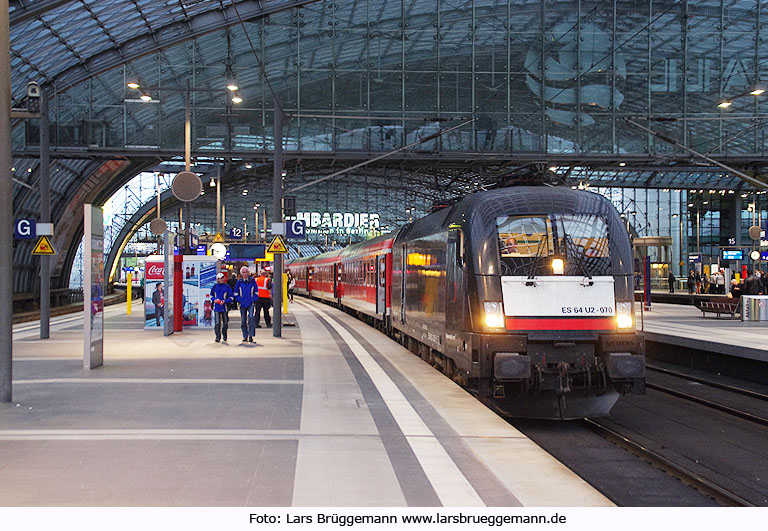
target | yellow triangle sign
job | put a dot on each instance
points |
(43, 247)
(277, 245)
(218, 238)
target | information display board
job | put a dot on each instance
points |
(93, 287)
(247, 251)
(732, 254)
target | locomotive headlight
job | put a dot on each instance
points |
(494, 315)
(624, 315)
(558, 266)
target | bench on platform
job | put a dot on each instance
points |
(730, 306)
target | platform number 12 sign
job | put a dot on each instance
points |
(236, 233)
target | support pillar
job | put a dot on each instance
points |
(6, 214)
(45, 216)
(277, 217)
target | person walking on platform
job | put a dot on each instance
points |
(691, 283)
(719, 282)
(232, 281)
(764, 280)
(697, 279)
(246, 297)
(222, 295)
(264, 285)
(705, 283)
(671, 280)
(752, 285)
(291, 286)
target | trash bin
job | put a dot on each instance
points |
(755, 308)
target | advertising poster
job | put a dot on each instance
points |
(154, 296)
(199, 276)
(93, 287)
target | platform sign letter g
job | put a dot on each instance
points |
(24, 229)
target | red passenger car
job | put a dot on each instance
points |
(357, 277)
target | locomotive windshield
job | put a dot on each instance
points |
(527, 244)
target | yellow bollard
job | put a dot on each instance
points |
(285, 293)
(128, 291)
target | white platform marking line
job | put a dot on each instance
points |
(35, 325)
(147, 435)
(451, 486)
(215, 381)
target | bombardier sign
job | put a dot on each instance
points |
(338, 222)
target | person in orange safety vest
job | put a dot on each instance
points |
(264, 286)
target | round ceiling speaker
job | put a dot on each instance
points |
(754, 232)
(186, 186)
(158, 226)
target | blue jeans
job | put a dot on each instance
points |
(222, 323)
(247, 321)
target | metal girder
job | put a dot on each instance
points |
(138, 220)
(175, 33)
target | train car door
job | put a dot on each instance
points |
(381, 285)
(404, 271)
(455, 296)
(336, 281)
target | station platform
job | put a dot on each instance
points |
(684, 326)
(333, 413)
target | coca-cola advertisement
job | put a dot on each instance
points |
(154, 297)
(154, 270)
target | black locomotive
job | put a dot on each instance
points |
(522, 295)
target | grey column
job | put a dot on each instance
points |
(45, 216)
(736, 202)
(277, 217)
(6, 214)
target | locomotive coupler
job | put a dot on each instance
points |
(563, 380)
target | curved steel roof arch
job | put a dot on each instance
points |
(101, 41)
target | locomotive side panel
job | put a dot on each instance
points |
(421, 284)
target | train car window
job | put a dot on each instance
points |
(525, 242)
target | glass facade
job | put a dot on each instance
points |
(541, 76)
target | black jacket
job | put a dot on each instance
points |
(157, 297)
(752, 285)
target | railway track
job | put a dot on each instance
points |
(703, 485)
(718, 385)
(709, 403)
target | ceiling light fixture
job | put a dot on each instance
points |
(145, 97)
(236, 98)
(725, 104)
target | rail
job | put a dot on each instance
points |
(719, 494)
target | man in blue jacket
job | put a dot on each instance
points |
(222, 295)
(246, 295)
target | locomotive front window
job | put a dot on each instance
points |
(527, 243)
